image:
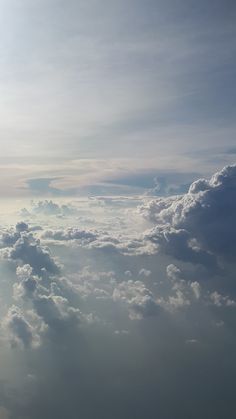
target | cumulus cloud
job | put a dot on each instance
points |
(139, 299)
(57, 313)
(103, 240)
(196, 289)
(22, 245)
(50, 313)
(145, 272)
(85, 236)
(198, 226)
(27, 282)
(181, 293)
(19, 329)
(40, 286)
(117, 308)
(48, 208)
(221, 300)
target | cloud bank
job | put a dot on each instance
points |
(134, 315)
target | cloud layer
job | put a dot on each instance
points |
(146, 308)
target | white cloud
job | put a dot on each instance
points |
(49, 207)
(139, 299)
(145, 272)
(114, 300)
(19, 329)
(85, 236)
(23, 246)
(124, 243)
(199, 226)
(221, 300)
(196, 289)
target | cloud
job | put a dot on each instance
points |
(49, 208)
(196, 289)
(21, 245)
(20, 331)
(221, 300)
(145, 272)
(85, 236)
(29, 251)
(27, 282)
(57, 313)
(49, 297)
(93, 92)
(111, 318)
(25, 247)
(118, 310)
(198, 226)
(139, 299)
(51, 314)
(127, 244)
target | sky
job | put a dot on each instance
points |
(118, 203)
(95, 90)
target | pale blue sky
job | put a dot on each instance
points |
(129, 85)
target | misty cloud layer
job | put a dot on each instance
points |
(102, 330)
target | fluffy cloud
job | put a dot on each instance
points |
(120, 315)
(20, 330)
(145, 272)
(22, 245)
(199, 226)
(9, 238)
(48, 208)
(108, 241)
(221, 300)
(140, 300)
(51, 312)
(42, 294)
(85, 236)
